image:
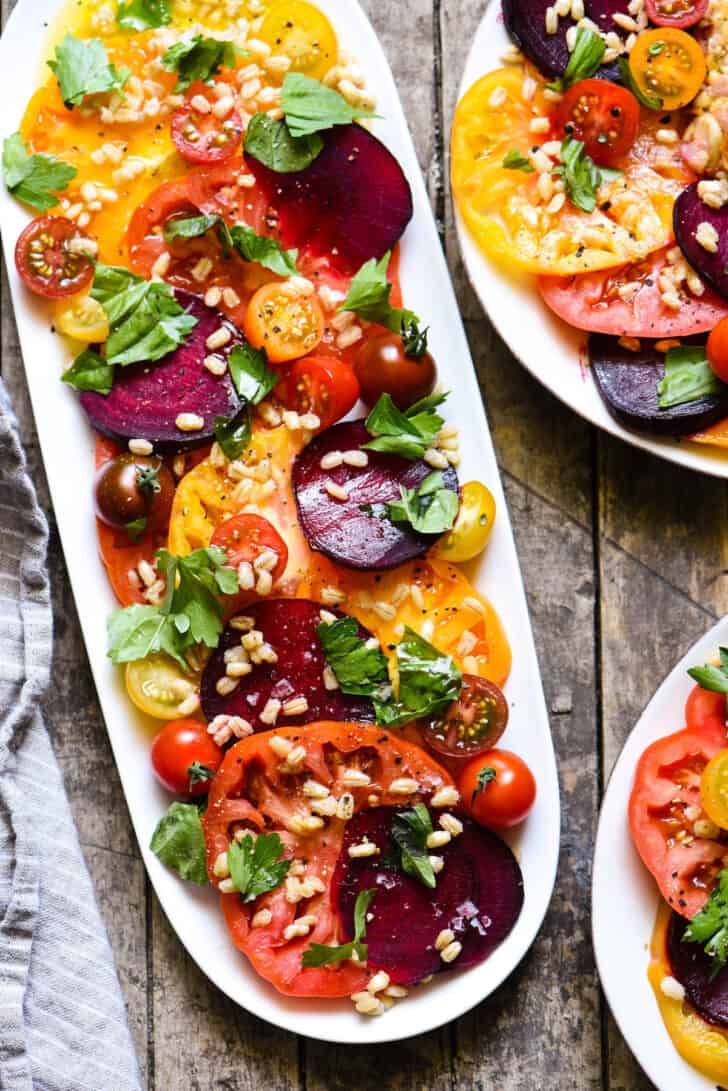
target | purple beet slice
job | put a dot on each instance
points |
(602, 13)
(479, 895)
(146, 399)
(339, 528)
(525, 21)
(689, 213)
(627, 382)
(289, 626)
(352, 204)
(693, 968)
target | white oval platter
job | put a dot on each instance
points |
(67, 447)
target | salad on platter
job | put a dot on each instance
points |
(214, 235)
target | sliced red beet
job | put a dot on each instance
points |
(693, 969)
(479, 895)
(289, 626)
(627, 382)
(339, 528)
(602, 13)
(146, 399)
(688, 215)
(352, 204)
(525, 21)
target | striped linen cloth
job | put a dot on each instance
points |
(63, 1024)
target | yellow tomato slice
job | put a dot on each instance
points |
(703, 1046)
(714, 789)
(303, 33)
(503, 207)
(473, 526)
(158, 686)
(669, 65)
(83, 319)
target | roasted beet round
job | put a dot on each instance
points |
(479, 895)
(693, 969)
(146, 399)
(339, 528)
(525, 22)
(289, 626)
(352, 204)
(627, 382)
(688, 217)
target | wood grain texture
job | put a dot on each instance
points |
(641, 566)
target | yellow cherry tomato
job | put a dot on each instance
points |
(83, 319)
(158, 686)
(669, 65)
(714, 789)
(700, 1044)
(469, 536)
(286, 326)
(300, 31)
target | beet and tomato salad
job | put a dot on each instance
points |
(279, 510)
(594, 160)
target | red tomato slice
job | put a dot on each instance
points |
(322, 385)
(251, 792)
(603, 115)
(46, 264)
(591, 301)
(202, 137)
(216, 190)
(676, 13)
(667, 781)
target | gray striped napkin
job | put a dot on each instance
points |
(63, 1024)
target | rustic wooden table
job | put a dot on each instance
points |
(625, 566)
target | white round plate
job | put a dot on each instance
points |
(67, 446)
(552, 351)
(624, 895)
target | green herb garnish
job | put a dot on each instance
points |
(688, 376)
(256, 865)
(34, 179)
(359, 669)
(318, 954)
(82, 68)
(179, 842)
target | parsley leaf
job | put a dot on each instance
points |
(270, 142)
(712, 677)
(309, 106)
(408, 434)
(233, 433)
(255, 865)
(146, 321)
(485, 777)
(199, 59)
(368, 296)
(410, 830)
(585, 59)
(709, 927)
(652, 102)
(249, 245)
(249, 371)
(34, 179)
(190, 614)
(179, 843)
(582, 177)
(143, 14)
(429, 681)
(359, 669)
(89, 371)
(82, 68)
(688, 376)
(429, 509)
(515, 160)
(318, 954)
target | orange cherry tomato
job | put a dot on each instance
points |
(497, 789)
(322, 385)
(286, 326)
(669, 65)
(717, 349)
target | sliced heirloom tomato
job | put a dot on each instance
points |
(676, 13)
(667, 783)
(503, 208)
(252, 792)
(603, 115)
(627, 302)
(669, 65)
(46, 262)
(205, 137)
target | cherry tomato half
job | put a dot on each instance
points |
(322, 385)
(714, 789)
(603, 115)
(669, 65)
(473, 526)
(158, 686)
(383, 367)
(717, 349)
(303, 33)
(286, 326)
(185, 758)
(497, 789)
(472, 724)
(245, 537)
(45, 262)
(676, 13)
(83, 319)
(132, 487)
(205, 137)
